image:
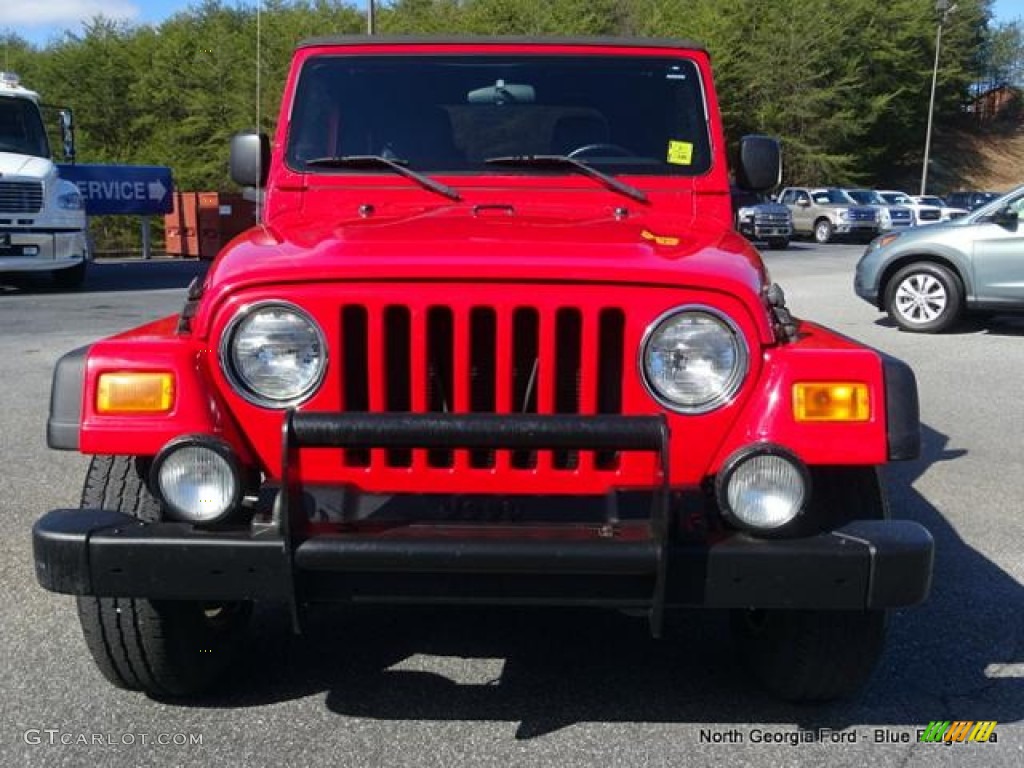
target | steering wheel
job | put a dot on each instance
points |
(610, 150)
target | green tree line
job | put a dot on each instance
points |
(843, 83)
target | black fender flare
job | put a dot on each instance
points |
(65, 419)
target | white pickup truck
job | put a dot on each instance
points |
(42, 217)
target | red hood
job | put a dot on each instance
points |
(456, 243)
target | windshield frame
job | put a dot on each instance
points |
(648, 165)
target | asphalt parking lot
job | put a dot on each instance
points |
(419, 687)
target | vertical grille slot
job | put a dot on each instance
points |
(397, 361)
(568, 330)
(440, 374)
(483, 328)
(525, 374)
(355, 379)
(611, 336)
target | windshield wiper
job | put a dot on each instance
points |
(377, 161)
(563, 161)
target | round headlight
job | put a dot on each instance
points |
(198, 481)
(274, 354)
(694, 359)
(763, 490)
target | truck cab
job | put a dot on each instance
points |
(42, 217)
(494, 341)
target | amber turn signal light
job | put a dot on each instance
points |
(135, 392)
(831, 401)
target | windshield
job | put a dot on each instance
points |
(866, 196)
(896, 198)
(927, 200)
(824, 196)
(453, 113)
(21, 128)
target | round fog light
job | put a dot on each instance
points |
(763, 490)
(198, 481)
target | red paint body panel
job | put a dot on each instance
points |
(550, 244)
(197, 408)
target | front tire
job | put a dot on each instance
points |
(819, 655)
(70, 278)
(166, 648)
(810, 655)
(924, 297)
(823, 231)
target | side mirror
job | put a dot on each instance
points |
(1006, 217)
(67, 134)
(803, 202)
(249, 159)
(760, 163)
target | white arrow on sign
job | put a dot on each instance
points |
(157, 190)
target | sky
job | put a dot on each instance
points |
(39, 21)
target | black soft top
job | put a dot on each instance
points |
(622, 42)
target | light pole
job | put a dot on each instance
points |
(370, 13)
(943, 9)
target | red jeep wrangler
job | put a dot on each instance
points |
(494, 341)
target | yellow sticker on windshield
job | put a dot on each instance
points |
(680, 152)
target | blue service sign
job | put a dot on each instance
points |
(122, 189)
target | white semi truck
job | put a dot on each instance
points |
(43, 225)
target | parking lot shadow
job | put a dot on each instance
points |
(546, 669)
(988, 324)
(113, 276)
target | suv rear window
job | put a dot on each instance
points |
(623, 114)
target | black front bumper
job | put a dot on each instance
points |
(867, 564)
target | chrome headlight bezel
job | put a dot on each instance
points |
(735, 380)
(243, 388)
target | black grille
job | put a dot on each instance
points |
(21, 196)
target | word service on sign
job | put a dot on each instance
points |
(122, 189)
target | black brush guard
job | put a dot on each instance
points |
(865, 564)
(517, 550)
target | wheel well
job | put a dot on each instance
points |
(822, 218)
(900, 263)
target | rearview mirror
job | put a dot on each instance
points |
(502, 93)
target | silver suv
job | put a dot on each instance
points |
(827, 212)
(926, 278)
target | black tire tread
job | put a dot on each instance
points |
(139, 644)
(70, 278)
(815, 656)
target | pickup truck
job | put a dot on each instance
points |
(827, 213)
(494, 340)
(758, 217)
